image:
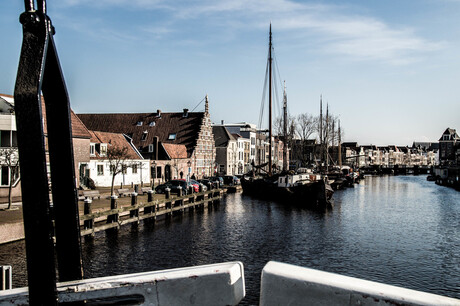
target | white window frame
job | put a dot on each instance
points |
(92, 149)
(103, 149)
(100, 169)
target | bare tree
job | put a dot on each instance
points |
(118, 158)
(9, 157)
(306, 125)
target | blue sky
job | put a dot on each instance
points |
(389, 69)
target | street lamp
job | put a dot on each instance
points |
(189, 166)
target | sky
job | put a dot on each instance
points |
(390, 70)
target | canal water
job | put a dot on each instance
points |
(399, 230)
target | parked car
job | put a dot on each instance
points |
(231, 180)
(161, 188)
(196, 183)
(216, 179)
(196, 186)
(206, 182)
(175, 184)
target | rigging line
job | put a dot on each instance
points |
(263, 96)
(197, 105)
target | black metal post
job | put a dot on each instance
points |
(39, 72)
(41, 269)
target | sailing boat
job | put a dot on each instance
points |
(305, 189)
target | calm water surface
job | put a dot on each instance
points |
(400, 230)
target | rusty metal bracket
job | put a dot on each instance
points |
(39, 72)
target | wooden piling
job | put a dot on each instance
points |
(88, 224)
(113, 205)
(135, 212)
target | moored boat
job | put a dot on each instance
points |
(304, 189)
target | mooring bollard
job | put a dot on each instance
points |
(134, 212)
(148, 210)
(113, 205)
(167, 197)
(88, 224)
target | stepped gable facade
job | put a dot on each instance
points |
(154, 133)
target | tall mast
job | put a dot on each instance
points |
(285, 129)
(321, 128)
(270, 102)
(340, 148)
(327, 137)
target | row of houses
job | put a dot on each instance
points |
(445, 152)
(156, 146)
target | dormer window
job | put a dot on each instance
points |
(152, 123)
(144, 136)
(103, 149)
(139, 123)
(172, 136)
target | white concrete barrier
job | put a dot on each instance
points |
(217, 284)
(284, 284)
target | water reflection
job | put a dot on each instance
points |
(398, 230)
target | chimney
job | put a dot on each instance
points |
(155, 146)
(222, 122)
(185, 114)
(158, 113)
(206, 105)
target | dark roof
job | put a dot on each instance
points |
(135, 125)
(452, 133)
(221, 136)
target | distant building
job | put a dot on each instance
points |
(449, 145)
(226, 151)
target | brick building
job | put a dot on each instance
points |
(163, 138)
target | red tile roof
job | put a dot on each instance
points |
(113, 139)
(79, 130)
(175, 151)
(136, 125)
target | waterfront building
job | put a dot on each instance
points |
(449, 145)
(247, 131)
(134, 169)
(80, 138)
(226, 150)
(240, 163)
(8, 142)
(162, 137)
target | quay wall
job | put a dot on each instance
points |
(10, 232)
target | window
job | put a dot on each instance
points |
(134, 167)
(445, 137)
(152, 123)
(103, 149)
(139, 123)
(144, 136)
(150, 148)
(100, 169)
(92, 149)
(172, 136)
(123, 168)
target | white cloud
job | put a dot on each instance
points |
(336, 30)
